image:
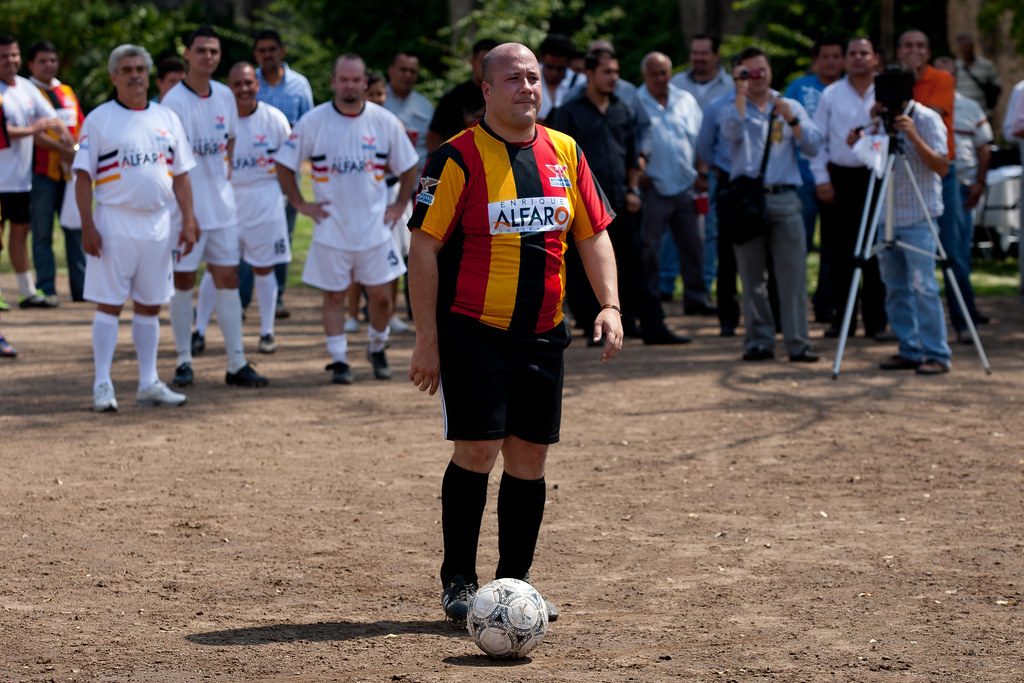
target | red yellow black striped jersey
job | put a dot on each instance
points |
(504, 211)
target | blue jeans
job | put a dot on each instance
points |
(668, 271)
(951, 233)
(47, 197)
(912, 300)
(711, 236)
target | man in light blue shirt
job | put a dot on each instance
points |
(756, 112)
(669, 148)
(290, 92)
(706, 79)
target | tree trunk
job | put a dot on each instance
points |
(887, 34)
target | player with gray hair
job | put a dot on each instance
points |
(137, 156)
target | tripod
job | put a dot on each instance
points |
(866, 248)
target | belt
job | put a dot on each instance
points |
(779, 189)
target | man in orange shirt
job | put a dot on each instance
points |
(935, 89)
(50, 173)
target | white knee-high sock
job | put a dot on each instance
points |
(378, 339)
(266, 294)
(181, 323)
(104, 341)
(146, 335)
(337, 346)
(229, 317)
(205, 304)
(26, 283)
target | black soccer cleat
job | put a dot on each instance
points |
(183, 375)
(198, 343)
(381, 369)
(455, 598)
(551, 607)
(341, 372)
(246, 377)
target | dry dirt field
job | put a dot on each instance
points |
(707, 519)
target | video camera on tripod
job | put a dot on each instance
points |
(894, 89)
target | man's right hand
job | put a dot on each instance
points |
(826, 193)
(314, 210)
(425, 365)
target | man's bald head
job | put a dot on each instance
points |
(240, 67)
(501, 56)
(653, 60)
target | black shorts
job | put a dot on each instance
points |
(14, 207)
(495, 384)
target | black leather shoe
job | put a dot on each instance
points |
(805, 356)
(727, 331)
(665, 336)
(700, 309)
(758, 353)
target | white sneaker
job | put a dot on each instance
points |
(351, 325)
(103, 400)
(157, 394)
(398, 325)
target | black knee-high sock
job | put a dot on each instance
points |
(463, 496)
(520, 511)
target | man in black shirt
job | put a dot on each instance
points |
(604, 127)
(463, 105)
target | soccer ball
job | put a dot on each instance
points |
(507, 618)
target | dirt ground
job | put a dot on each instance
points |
(707, 519)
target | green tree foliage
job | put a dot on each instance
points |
(996, 13)
(786, 30)
(85, 31)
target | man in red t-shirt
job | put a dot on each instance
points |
(935, 89)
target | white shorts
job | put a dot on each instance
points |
(216, 247)
(333, 270)
(130, 268)
(266, 244)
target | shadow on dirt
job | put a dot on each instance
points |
(324, 631)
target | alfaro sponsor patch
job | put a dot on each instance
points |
(529, 214)
(426, 195)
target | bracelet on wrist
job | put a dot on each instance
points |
(613, 307)
(794, 122)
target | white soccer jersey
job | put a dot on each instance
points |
(253, 175)
(131, 155)
(349, 156)
(23, 104)
(210, 122)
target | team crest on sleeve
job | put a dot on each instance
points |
(560, 179)
(426, 194)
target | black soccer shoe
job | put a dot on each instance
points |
(379, 361)
(198, 343)
(342, 373)
(246, 377)
(183, 375)
(455, 598)
(551, 607)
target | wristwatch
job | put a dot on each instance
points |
(795, 122)
(636, 191)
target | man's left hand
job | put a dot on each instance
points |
(393, 213)
(189, 235)
(974, 193)
(906, 124)
(633, 203)
(608, 324)
(783, 109)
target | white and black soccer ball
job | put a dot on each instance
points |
(507, 618)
